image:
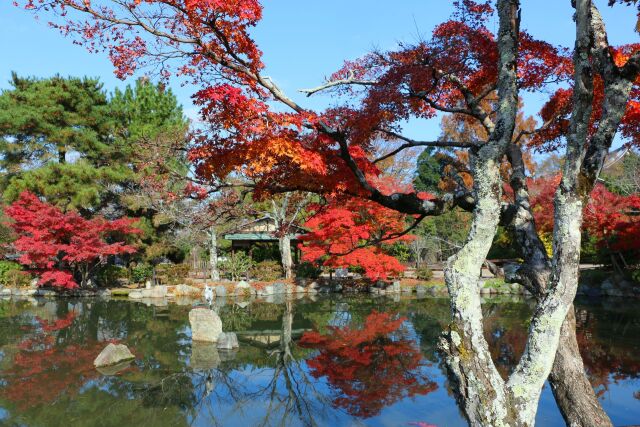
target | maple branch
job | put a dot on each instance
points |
(410, 143)
(379, 240)
(525, 132)
(349, 80)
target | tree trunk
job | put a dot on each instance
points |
(573, 392)
(284, 244)
(213, 255)
(480, 388)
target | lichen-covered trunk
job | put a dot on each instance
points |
(574, 394)
(284, 243)
(213, 255)
(481, 392)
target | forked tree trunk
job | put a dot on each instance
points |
(573, 392)
(284, 244)
(481, 389)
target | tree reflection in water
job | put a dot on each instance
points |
(328, 362)
(370, 367)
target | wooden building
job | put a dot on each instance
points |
(261, 231)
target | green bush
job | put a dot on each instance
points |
(11, 274)
(424, 273)
(308, 270)
(172, 274)
(236, 265)
(110, 274)
(635, 275)
(5, 268)
(267, 271)
(141, 273)
(400, 251)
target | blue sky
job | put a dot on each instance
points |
(302, 41)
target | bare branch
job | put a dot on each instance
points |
(349, 80)
(410, 143)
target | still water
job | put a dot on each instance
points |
(335, 361)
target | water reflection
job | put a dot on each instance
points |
(328, 362)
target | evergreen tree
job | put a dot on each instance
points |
(43, 120)
(428, 171)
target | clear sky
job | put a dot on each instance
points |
(302, 41)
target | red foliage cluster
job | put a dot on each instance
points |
(371, 367)
(613, 219)
(249, 131)
(57, 244)
(352, 232)
(44, 370)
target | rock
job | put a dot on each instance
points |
(112, 355)
(227, 341)
(220, 291)
(186, 290)
(114, 369)
(421, 289)
(486, 291)
(147, 284)
(242, 304)
(204, 356)
(205, 325)
(279, 288)
(5, 292)
(135, 295)
(244, 289)
(313, 285)
(46, 293)
(299, 290)
(395, 287)
(158, 292)
(267, 290)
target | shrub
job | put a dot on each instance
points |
(11, 274)
(6, 267)
(110, 274)
(267, 271)
(172, 274)
(424, 273)
(141, 273)
(236, 265)
(635, 275)
(308, 270)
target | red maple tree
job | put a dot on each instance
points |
(371, 367)
(613, 219)
(355, 232)
(62, 247)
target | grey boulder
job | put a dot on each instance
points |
(112, 355)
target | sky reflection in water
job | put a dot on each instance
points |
(381, 371)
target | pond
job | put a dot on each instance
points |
(296, 364)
